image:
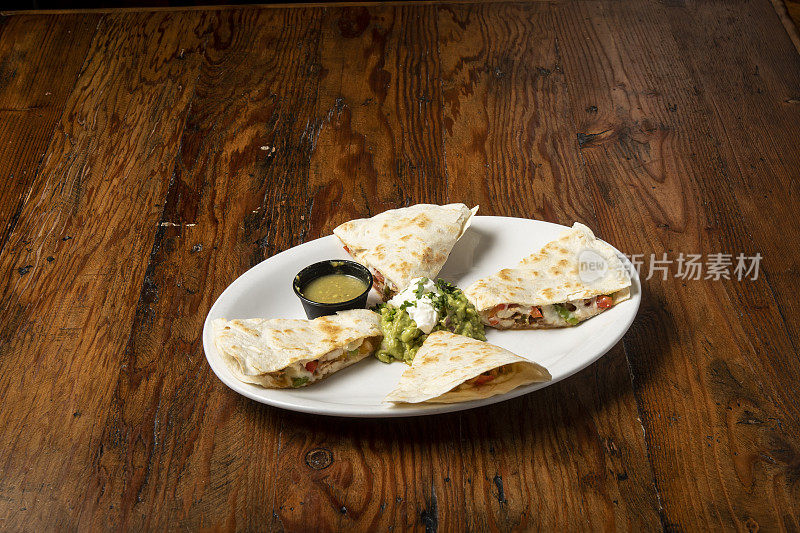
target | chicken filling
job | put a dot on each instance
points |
(305, 372)
(492, 376)
(506, 316)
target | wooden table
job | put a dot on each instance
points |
(147, 159)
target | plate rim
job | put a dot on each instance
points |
(408, 410)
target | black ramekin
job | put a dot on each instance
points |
(323, 268)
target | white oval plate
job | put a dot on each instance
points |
(491, 243)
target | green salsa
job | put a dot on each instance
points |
(334, 288)
(402, 338)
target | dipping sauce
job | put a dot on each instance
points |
(334, 288)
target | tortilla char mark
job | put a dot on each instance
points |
(430, 257)
(505, 275)
(421, 220)
(329, 329)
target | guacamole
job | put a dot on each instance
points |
(451, 311)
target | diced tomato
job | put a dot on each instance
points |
(536, 312)
(311, 366)
(346, 249)
(604, 302)
(493, 320)
(483, 379)
(501, 307)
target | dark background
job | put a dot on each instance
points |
(792, 7)
(12, 5)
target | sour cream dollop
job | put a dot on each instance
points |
(421, 309)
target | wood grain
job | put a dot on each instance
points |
(93, 209)
(704, 383)
(178, 149)
(376, 145)
(40, 58)
(377, 133)
(750, 108)
(508, 140)
(177, 442)
(789, 13)
(506, 135)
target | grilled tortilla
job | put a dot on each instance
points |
(453, 368)
(284, 353)
(402, 244)
(571, 279)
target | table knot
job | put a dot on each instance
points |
(319, 458)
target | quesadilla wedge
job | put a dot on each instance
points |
(402, 244)
(452, 368)
(284, 353)
(569, 280)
